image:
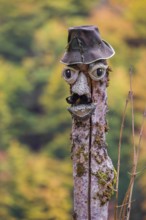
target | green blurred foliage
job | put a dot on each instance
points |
(32, 186)
(35, 171)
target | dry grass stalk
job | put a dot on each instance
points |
(134, 167)
(125, 209)
(119, 158)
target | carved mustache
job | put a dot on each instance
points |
(76, 99)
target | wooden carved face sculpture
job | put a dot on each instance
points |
(84, 80)
(86, 69)
(86, 72)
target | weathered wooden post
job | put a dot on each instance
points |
(87, 74)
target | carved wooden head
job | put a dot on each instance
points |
(83, 78)
(86, 68)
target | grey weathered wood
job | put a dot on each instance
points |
(87, 75)
(93, 170)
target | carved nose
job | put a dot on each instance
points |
(75, 99)
(81, 86)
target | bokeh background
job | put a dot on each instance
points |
(35, 166)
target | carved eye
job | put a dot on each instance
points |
(67, 74)
(98, 71)
(70, 75)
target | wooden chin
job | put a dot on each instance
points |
(82, 111)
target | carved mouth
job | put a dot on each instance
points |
(81, 106)
(82, 111)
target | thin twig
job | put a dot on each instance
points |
(125, 209)
(119, 158)
(122, 215)
(125, 204)
(134, 147)
(140, 136)
(127, 199)
(135, 152)
(132, 113)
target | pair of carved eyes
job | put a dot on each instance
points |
(97, 72)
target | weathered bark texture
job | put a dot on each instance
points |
(80, 153)
(93, 171)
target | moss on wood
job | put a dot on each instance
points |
(80, 169)
(106, 181)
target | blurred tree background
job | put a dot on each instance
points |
(36, 170)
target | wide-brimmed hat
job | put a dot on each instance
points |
(86, 46)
